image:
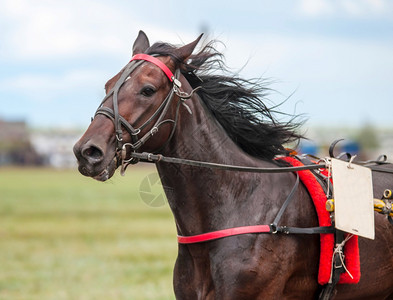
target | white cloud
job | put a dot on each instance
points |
(45, 87)
(67, 31)
(379, 5)
(365, 8)
(44, 29)
(49, 29)
(352, 8)
(322, 60)
(315, 8)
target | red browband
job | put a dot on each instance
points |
(204, 237)
(155, 61)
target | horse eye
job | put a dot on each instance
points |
(148, 91)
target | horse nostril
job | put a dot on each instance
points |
(92, 153)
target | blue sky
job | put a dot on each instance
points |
(334, 56)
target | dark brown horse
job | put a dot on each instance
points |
(224, 121)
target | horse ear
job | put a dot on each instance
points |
(141, 43)
(185, 51)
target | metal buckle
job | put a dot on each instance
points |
(274, 228)
(119, 136)
(154, 130)
(137, 131)
(176, 82)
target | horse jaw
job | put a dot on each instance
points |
(109, 171)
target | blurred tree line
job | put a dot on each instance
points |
(367, 137)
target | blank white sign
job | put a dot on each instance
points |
(353, 198)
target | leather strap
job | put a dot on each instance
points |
(286, 203)
(150, 157)
(215, 235)
(204, 237)
(310, 230)
(155, 61)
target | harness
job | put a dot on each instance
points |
(159, 114)
(272, 228)
(159, 117)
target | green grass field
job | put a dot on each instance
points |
(64, 236)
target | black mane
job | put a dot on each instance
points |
(236, 103)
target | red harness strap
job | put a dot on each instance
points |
(351, 250)
(155, 61)
(204, 237)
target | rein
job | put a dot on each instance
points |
(155, 158)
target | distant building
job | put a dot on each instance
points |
(56, 146)
(15, 145)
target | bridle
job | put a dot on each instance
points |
(120, 122)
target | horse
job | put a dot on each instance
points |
(206, 113)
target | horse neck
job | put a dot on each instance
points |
(199, 196)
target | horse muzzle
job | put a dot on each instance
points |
(92, 161)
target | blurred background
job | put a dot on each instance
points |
(329, 60)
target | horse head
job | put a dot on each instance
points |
(141, 101)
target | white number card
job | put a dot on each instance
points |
(353, 198)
